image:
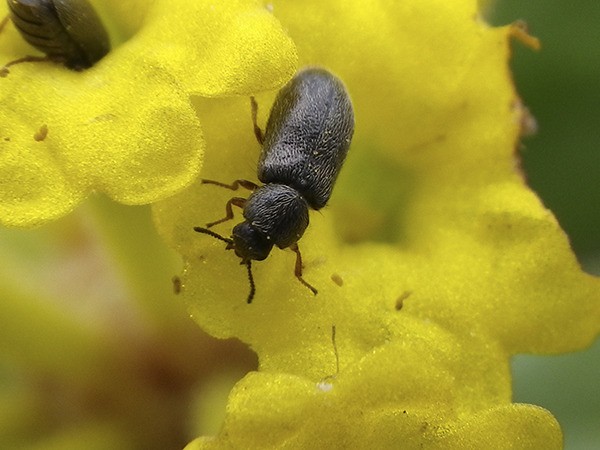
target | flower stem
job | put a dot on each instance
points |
(146, 264)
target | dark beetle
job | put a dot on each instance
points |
(304, 146)
(67, 31)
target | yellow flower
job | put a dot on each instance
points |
(125, 127)
(434, 261)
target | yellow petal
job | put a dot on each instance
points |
(219, 48)
(454, 265)
(125, 126)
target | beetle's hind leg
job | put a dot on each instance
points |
(237, 201)
(298, 268)
(233, 186)
(260, 136)
(4, 22)
(4, 69)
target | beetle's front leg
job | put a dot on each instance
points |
(233, 186)
(237, 201)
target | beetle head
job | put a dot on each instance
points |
(249, 243)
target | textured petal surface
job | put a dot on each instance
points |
(125, 126)
(434, 261)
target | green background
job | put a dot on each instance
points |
(561, 86)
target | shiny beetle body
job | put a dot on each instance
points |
(67, 31)
(305, 143)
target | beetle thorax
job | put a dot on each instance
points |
(278, 212)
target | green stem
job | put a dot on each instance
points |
(142, 258)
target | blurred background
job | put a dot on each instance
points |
(560, 85)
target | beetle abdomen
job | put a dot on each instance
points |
(308, 135)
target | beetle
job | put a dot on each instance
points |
(67, 31)
(304, 146)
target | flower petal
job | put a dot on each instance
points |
(125, 126)
(219, 48)
(455, 264)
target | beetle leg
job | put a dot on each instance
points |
(233, 186)
(4, 69)
(298, 268)
(4, 22)
(260, 136)
(237, 201)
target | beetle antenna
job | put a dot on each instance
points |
(251, 279)
(230, 246)
(213, 234)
